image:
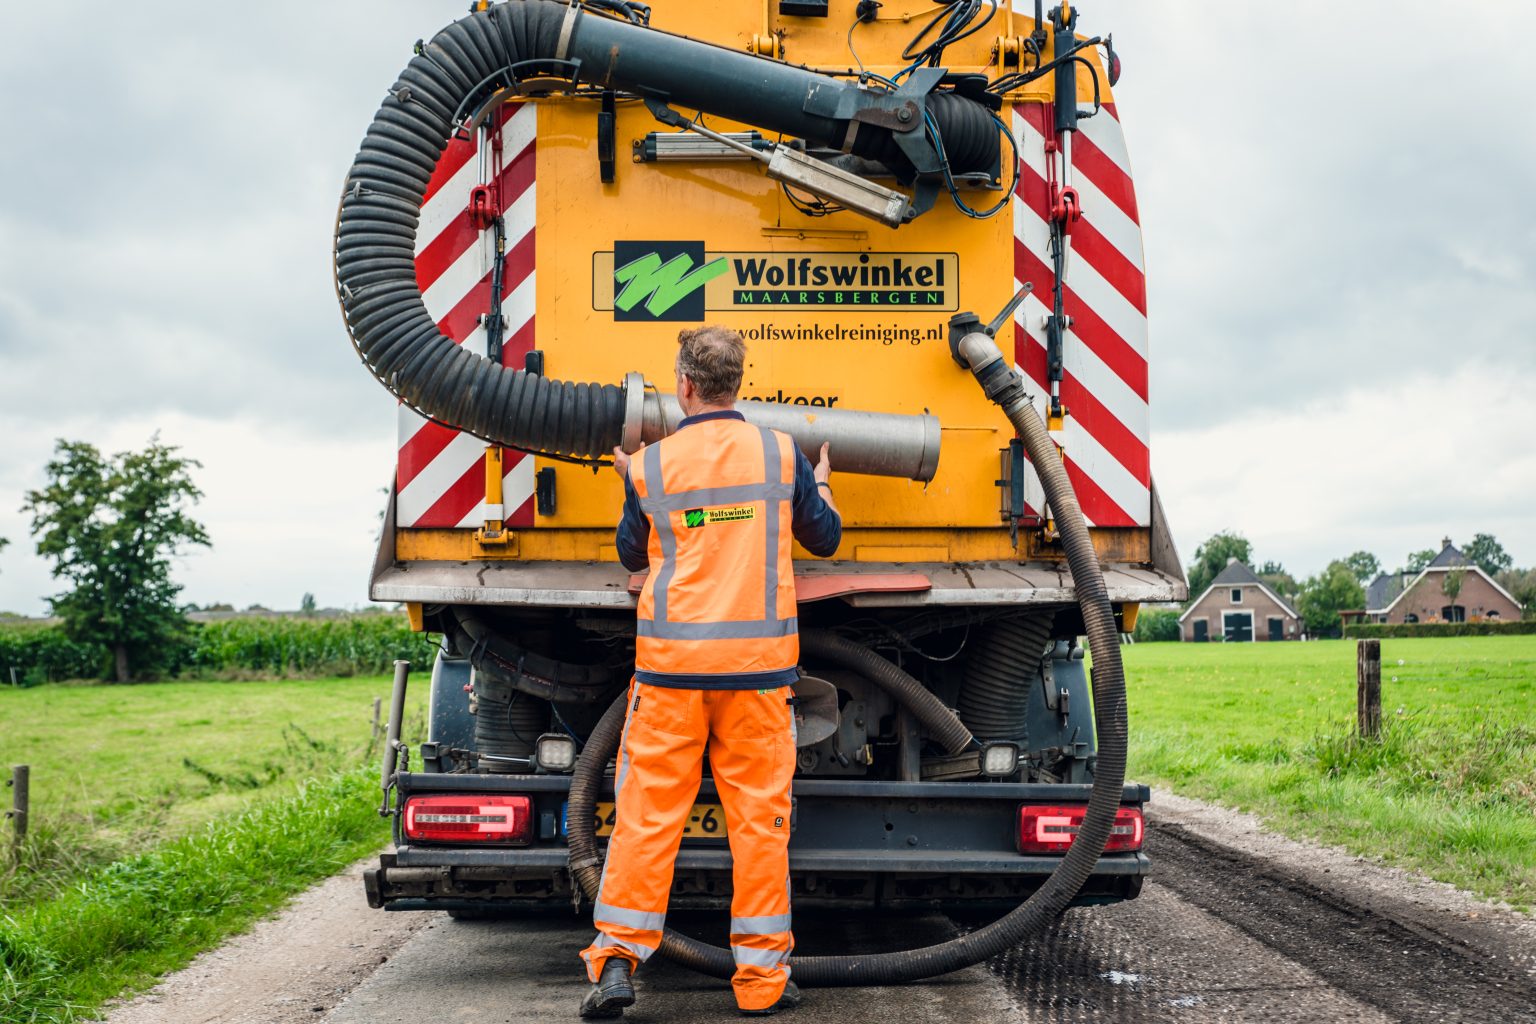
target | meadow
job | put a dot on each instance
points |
(167, 816)
(1448, 790)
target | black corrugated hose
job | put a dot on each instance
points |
(462, 67)
(508, 666)
(1000, 670)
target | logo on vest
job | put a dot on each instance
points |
(695, 517)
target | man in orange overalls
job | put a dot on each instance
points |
(710, 510)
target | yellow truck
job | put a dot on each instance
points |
(893, 204)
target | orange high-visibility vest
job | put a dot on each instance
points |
(718, 607)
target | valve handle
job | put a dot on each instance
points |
(1007, 311)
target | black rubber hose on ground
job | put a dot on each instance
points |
(467, 65)
(1000, 668)
(1057, 892)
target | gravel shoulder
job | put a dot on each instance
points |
(291, 967)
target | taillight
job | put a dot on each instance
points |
(1052, 829)
(470, 819)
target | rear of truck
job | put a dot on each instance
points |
(571, 233)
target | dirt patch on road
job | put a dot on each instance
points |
(289, 968)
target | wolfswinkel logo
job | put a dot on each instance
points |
(662, 280)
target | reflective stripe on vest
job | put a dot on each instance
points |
(721, 604)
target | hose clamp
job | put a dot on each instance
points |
(567, 29)
(634, 412)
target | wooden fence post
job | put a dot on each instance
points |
(20, 803)
(1368, 687)
(374, 736)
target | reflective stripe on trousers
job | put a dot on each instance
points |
(752, 757)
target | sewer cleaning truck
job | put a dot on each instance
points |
(921, 219)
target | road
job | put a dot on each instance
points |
(1235, 925)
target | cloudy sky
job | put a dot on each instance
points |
(1337, 203)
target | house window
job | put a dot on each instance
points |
(1202, 631)
(1453, 613)
(1493, 614)
(1237, 595)
(1410, 618)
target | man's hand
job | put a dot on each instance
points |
(621, 462)
(823, 470)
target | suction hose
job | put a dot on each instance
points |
(1046, 904)
(1003, 665)
(508, 667)
(474, 63)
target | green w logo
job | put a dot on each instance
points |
(663, 285)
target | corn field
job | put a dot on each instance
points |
(234, 648)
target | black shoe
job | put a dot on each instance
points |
(788, 1001)
(613, 992)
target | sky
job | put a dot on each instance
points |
(1336, 199)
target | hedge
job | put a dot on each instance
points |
(1383, 630)
(32, 653)
(1157, 624)
(351, 645)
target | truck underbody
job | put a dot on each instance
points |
(883, 815)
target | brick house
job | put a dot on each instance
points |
(1400, 597)
(1238, 606)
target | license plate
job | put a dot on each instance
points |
(705, 821)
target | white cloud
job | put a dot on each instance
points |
(288, 510)
(1389, 470)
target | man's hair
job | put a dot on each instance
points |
(712, 357)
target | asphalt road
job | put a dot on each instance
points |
(1218, 934)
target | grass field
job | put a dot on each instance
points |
(167, 816)
(1450, 790)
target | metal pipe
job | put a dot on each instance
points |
(874, 443)
(392, 734)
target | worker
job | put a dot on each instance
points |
(716, 650)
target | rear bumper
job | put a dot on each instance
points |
(854, 844)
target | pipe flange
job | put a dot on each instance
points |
(634, 412)
(933, 436)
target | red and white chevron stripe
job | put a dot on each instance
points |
(1104, 389)
(440, 475)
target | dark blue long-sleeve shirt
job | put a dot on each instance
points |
(813, 521)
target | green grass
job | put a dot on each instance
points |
(1449, 790)
(122, 926)
(168, 816)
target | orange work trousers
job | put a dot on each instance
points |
(751, 739)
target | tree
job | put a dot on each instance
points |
(1521, 583)
(307, 604)
(1364, 565)
(1488, 554)
(1450, 586)
(1418, 560)
(1323, 596)
(111, 527)
(1212, 557)
(1277, 579)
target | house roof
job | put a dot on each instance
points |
(1237, 574)
(1385, 588)
(1448, 557)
